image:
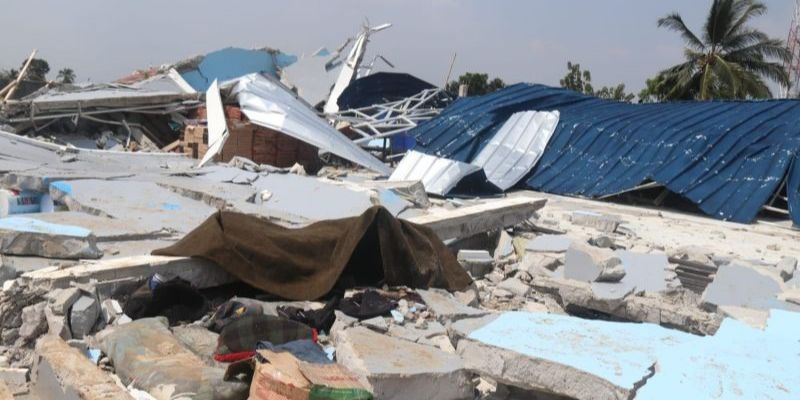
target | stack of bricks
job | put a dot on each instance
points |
(262, 145)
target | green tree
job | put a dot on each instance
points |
(654, 91)
(6, 76)
(581, 82)
(66, 75)
(477, 84)
(729, 59)
(577, 80)
(37, 71)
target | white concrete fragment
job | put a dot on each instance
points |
(477, 262)
(15, 378)
(787, 267)
(377, 324)
(515, 286)
(34, 322)
(396, 369)
(603, 223)
(62, 299)
(586, 263)
(549, 244)
(445, 307)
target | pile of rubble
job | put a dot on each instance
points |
(239, 244)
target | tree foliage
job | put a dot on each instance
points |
(727, 60)
(581, 81)
(477, 84)
(37, 71)
(66, 75)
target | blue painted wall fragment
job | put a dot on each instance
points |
(22, 224)
(232, 62)
(739, 362)
(728, 157)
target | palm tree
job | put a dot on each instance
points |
(729, 61)
(66, 75)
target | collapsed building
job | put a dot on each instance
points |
(251, 224)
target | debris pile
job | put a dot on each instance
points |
(230, 230)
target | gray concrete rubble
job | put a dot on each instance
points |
(477, 262)
(398, 369)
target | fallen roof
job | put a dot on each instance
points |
(728, 157)
(268, 104)
(381, 87)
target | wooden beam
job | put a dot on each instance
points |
(171, 146)
(21, 75)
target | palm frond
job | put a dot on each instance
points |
(674, 22)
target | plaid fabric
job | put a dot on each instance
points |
(328, 393)
(242, 335)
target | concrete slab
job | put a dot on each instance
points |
(549, 244)
(104, 229)
(446, 307)
(737, 285)
(397, 369)
(586, 263)
(590, 359)
(645, 272)
(601, 222)
(146, 204)
(31, 237)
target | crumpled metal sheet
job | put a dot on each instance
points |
(217, 127)
(268, 104)
(438, 175)
(728, 157)
(516, 148)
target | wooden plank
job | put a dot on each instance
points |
(22, 73)
(171, 146)
(492, 215)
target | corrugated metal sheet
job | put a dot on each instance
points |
(438, 175)
(726, 157)
(516, 148)
(268, 104)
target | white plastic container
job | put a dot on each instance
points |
(13, 202)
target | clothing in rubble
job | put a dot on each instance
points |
(238, 340)
(175, 299)
(321, 319)
(303, 350)
(232, 310)
(367, 304)
(305, 263)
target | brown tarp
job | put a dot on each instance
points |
(306, 263)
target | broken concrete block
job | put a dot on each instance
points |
(16, 379)
(647, 272)
(30, 237)
(397, 369)
(468, 297)
(505, 246)
(110, 310)
(62, 299)
(5, 392)
(601, 222)
(586, 263)
(477, 262)
(612, 271)
(57, 324)
(787, 267)
(34, 322)
(377, 324)
(740, 286)
(790, 296)
(83, 316)
(417, 334)
(549, 244)
(7, 272)
(515, 286)
(63, 372)
(692, 255)
(445, 307)
(602, 241)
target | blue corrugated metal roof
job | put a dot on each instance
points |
(727, 157)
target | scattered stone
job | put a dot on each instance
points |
(502, 293)
(57, 324)
(477, 262)
(110, 310)
(495, 277)
(468, 297)
(613, 271)
(342, 322)
(377, 324)
(7, 272)
(62, 299)
(586, 263)
(16, 379)
(692, 255)
(549, 244)
(63, 372)
(787, 267)
(603, 223)
(396, 369)
(445, 307)
(602, 241)
(505, 246)
(83, 316)
(515, 286)
(34, 323)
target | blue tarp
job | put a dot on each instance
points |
(728, 157)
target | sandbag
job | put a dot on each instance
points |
(145, 352)
(306, 263)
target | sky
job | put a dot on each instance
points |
(516, 40)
